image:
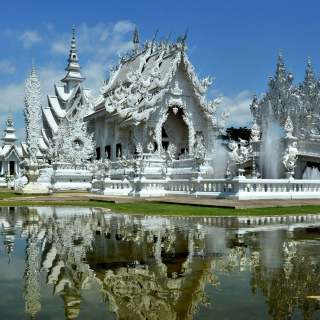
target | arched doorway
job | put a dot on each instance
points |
(175, 131)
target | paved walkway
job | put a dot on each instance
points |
(204, 202)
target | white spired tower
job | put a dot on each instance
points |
(32, 113)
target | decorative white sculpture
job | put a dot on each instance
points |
(290, 158)
(199, 150)
(32, 113)
(228, 173)
(32, 102)
(255, 174)
(295, 107)
(255, 132)
(289, 161)
(72, 143)
(239, 153)
(288, 128)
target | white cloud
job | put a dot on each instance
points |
(29, 38)
(97, 47)
(21, 134)
(94, 71)
(240, 114)
(99, 41)
(48, 76)
(6, 66)
(192, 49)
(123, 26)
(11, 96)
(7, 32)
(49, 26)
(61, 44)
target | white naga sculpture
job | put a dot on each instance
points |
(240, 153)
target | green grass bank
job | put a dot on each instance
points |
(157, 208)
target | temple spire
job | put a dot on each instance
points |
(32, 68)
(10, 136)
(309, 80)
(73, 77)
(281, 72)
(136, 39)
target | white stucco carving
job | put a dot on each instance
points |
(32, 113)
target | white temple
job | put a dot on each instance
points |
(10, 154)
(151, 131)
(294, 109)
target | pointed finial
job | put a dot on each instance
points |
(309, 62)
(179, 38)
(169, 36)
(185, 36)
(135, 37)
(255, 96)
(33, 73)
(9, 122)
(73, 41)
(154, 38)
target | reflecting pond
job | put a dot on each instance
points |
(82, 263)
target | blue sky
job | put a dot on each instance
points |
(237, 42)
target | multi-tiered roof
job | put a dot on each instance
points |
(67, 98)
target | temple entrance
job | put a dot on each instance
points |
(175, 131)
(11, 167)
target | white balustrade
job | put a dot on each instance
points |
(154, 181)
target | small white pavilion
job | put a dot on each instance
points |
(10, 154)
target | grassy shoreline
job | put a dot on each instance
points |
(156, 208)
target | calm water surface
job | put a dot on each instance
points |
(81, 263)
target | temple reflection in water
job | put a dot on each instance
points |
(148, 267)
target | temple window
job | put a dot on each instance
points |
(11, 167)
(98, 153)
(165, 145)
(118, 150)
(108, 149)
(164, 133)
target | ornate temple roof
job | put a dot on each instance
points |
(142, 78)
(67, 97)
(283, 99)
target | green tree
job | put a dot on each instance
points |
(236, 133)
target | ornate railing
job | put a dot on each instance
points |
(214, 188)
(69, 166)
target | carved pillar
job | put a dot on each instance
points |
(158, 130)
